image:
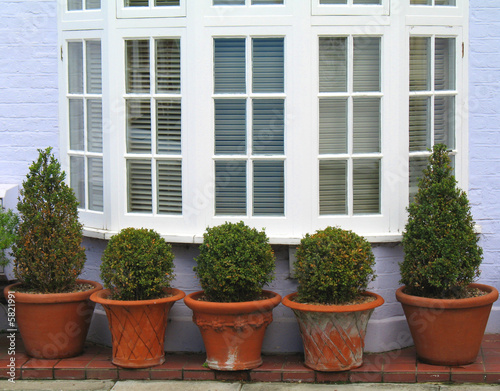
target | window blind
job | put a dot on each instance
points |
(168, 128)
(168, 66)
(230, 187)
(420, 126)
(138, 126)
(230, 126)
(94, 125)
(76, 125)
(332, 64)
(95, 184)
(444, 121)
(366, 186)
(357, 2)
(75, 67)
(137, 70)
(333, 187)
(140, 196)
(228, 2)
(268, 65)
(268, 188)
(332, 125)
(366, 64)
(93, 4)
(268, 131)
(169, 183)
(444, 64)
(229, 65)
(77, 178)
(366, 125)
(93, 67)
(420, 64)
(74, 5)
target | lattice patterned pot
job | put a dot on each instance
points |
(233, 332)
(333, 336)
(138, 328)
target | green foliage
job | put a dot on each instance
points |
(235, 262)
(333, 266)
(48, 252)
(137, 264)
(442, 255)
(8, 233)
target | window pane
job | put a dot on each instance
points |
(96, 199)
(366, 125)
(94, 125)
(93, 4)
(137, 53)
(446, 2)
(167, 2)
(366, 64)
(444, 121)
(169, 187)
(168, 117)
(419, 64)
(230, 126)
(333, 2)
(229, 65)
(256, 2)
(74, 5)
(366, 186)
(332, 64)
(268, 188)
(138, 126)
(136, 3)
(168, 65)
(421, 2)
(94, 73)
(420, 123)
(332, 187)
(77, 178)
(332, 125)
(230, 188)
(417, 166)
(75, 67)
(268, 65)
(268, 126)
(444, 58)
(76, 125)
(229, 2)
(367, 2)
(139, 186)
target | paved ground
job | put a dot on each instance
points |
(150, 385)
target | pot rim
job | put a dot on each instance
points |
(426, 302)
(212, 307)
(288, 302)
(47, 298)
(101, 297)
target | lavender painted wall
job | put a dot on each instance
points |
(28, 120)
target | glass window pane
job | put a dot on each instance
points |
(138, 77)
(332, 187)
(446, 2)
(230, 188)
(96, 198)
(168, 117)
(94, 125)
(168, 3)
(94, 72)
(366, 64)
(138, 126)
(229, 65)
(332, 125)
(420, 123)
(417, 166)
(421, 2)
(332, 64)
(366, 186)
(169, 187)
(230, 126)
(168, 65)
(366, 125)
(77, 178)
(356, 2)
(139, 186)
(268, 188)
(268, 65)
(74, 5)
(229, 2)
(420, 64)
(444, 121)
(136, 3)
(264, 2)
(333, 2)
(76, 125)
(444, 60)
(75, 67)
(93, 4)
(268, 126)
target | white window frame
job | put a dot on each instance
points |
(350, 9)
(151, 11)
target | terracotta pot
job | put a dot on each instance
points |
(53, 325)
(448, 332)
(233, 332)
(138, 328)
(333, 336)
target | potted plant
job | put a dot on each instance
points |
(233, 311)
(333, 268)
(53, 310)
(137, 268)
(446, 312)
(9, 222)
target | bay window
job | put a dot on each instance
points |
(289, 115)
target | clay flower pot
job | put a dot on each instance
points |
(53, 325)
(137, 328)
(333, 335)
(233, 332)
(448, 332)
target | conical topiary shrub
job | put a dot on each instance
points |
(442, 255)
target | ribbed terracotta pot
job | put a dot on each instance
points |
(448, 332)
(53, 325)
(233, 332)
(138, 328)
(333, 336)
